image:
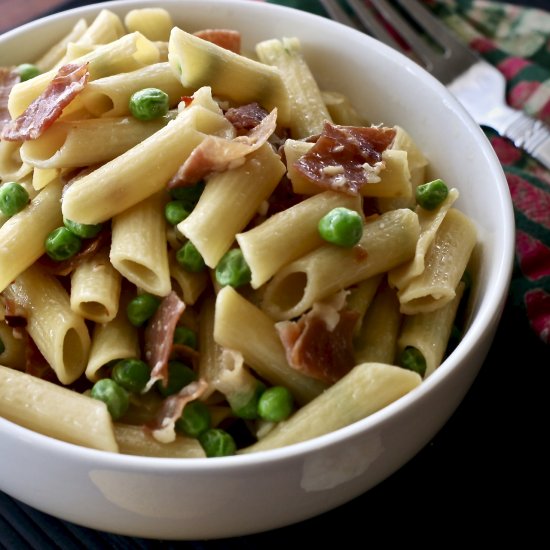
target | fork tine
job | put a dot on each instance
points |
(373, 26)
(432, 25)
(416, 42)
(335, 11)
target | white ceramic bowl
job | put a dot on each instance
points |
(202, 498)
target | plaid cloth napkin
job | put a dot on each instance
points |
(517, 41)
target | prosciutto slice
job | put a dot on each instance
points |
(48, 106)
(159, 337)
(225, 38)
(8, 79)
(320, 344)
(246, 117)
(163, 428)
(216, 154)
(344, 158)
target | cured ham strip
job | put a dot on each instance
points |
(320, 343)
(225, 38)
(246, 117)
(48, 106)
(215, 154)
(14, 314)
(344, 158)
(163, 429)
(8, 79)
(159, 337)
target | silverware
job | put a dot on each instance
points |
(478, 85)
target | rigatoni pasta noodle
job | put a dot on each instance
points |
(197, 245)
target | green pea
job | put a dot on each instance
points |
(141, 308)
(217, 442)
(185, 337)
(247, 406)
(275, 404)
(341, 226)
(149, 103)
(2, 346)
(131, 374)
(83, 230)
(430, 195)
(194, 420)
(179, 376)
(190, 258)
(113, 395)
(412, 359)
(232, 269)
(176, 211)
(189, 195)
(13, 198)
(62, 244)
(27, 71)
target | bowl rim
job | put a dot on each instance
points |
(490, 305)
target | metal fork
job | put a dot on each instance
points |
(478, 85)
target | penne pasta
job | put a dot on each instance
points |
(445, 263)
(377, 337)
(44, 214)
(199, 63)
(154, 23)
(55, 411)
(430, 220)
(111, 188)
(135, 440)
(230, 200)
(12, 166)
(241, 326)
(67, 144)
(429, 332)
(366, 389)
(55, 54)
(95, 288)
(105, 28)
(308, 111)
(387, 241)
(60, 334)
(109, 96)
(138, 246)
(270, 245)
(128, 53)
(116, 339)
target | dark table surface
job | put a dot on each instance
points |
(481, 474)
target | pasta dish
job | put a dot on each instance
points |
(203, 253)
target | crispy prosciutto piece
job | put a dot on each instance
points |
(319, 344)
(344, 158)
(48, 106)
(172, 407)
(159, 337)
(8, 79)
(216, 154)
(14, 315)
(246, 117)
(225, 38)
